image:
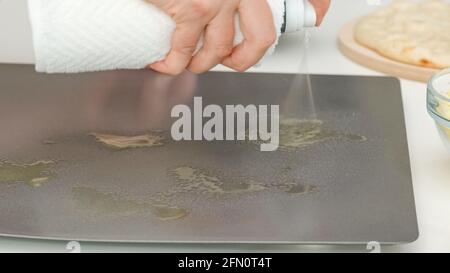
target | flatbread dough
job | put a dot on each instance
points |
(416, 33)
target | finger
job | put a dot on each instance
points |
(321, 7)
(258, 28)
(184, 43)
(218, 42)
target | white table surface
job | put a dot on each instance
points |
(429, 159)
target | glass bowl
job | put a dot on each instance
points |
(438, 103)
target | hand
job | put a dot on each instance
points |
(321, 7)
(215, 19)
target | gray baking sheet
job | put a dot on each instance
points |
(67, 185)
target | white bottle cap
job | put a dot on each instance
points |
(299, 14)
(310, 15)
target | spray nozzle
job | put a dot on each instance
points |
(299, 14)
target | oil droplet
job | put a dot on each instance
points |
(354, 137)
(166, 212)
(129, 142)
(297, 134)
(111, 204)
(34, 174)
(299, 189)
(37, 182)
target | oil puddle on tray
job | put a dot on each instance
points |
(189, 181)
(197, 180)
(201, 181)
(297, 134)
(34, 174)
(101, 203)
(130, 142)
(49, 142)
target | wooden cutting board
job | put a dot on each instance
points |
(371, 59)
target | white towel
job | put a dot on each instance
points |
(72, 36)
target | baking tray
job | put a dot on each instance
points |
(353, 188)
